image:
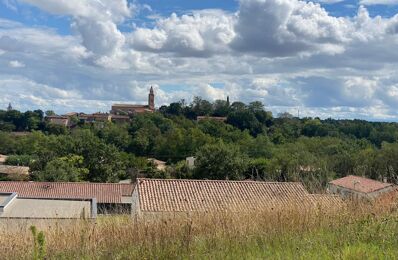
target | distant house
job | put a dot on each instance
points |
(14, 170)
(23, 207)
(110, 197)
(98, 117)
(3, 158)
(58, 120)
(190, 161)
(358, 187)
(158, 196)
(71, 114)
(215, 118)
(159, 165)
(119, 119)
(128, 109)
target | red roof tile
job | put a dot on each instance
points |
(327, 201)
(156, 195)
(360, 184)
(103, 192)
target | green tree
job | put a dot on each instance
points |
(221, 108)
(68, 168)
(220, 161)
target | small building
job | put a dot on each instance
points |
(159, 165)
(190, 161)
(58, 120)
(12, 206)
(98, 117)
(111, 198)
(214, 118)
(120, 119)
(71, 114)
(3, 158)
(14, 170)
(165, 196)
(358, 187)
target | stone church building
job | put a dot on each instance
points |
(128, 109)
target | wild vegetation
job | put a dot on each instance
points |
(252, 143)
(358, 232)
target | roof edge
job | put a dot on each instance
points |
(198, 180)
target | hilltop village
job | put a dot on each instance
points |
(93, 179)
(119, 113)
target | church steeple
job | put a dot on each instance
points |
(151, 99)
(9, 108)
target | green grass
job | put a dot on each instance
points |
(289, 236)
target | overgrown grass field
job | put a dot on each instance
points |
(359, 232)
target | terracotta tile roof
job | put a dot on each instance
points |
(157, 195)
(360, 184)
(56, 117)
(129, 106)
(327, 201)
(103, 192)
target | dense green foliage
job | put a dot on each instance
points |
(251, 144)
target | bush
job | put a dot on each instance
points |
(20, 160)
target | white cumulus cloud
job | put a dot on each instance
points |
(16, 64)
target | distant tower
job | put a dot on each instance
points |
(227, 100)
(151, 99)
(9, 108)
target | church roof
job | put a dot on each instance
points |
(129, 105)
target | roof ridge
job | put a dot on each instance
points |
(66, 182)
(242, 181)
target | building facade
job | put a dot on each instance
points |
(58, 120)
(14, 206)
(111, 198)
(128, 109)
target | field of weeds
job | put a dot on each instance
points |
(359, 232)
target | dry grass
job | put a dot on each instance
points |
(355, 233)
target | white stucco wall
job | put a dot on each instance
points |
(135, 205)
(3, 198)
(348, 193)
(46, 208)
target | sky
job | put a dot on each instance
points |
(325, 58)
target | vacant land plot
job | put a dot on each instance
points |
(359, 233)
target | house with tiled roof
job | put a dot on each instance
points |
(58, 120)
(358, 187)
(13, 206)
(110, 197)
(154, 196)
(3, 158)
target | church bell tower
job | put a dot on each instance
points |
(151, 99)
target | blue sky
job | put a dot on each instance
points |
(328, 58)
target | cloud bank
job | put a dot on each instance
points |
(289, 54)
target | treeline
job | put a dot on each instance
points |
(251, 144)
(14, 120)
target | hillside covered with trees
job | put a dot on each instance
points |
(251, 144)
